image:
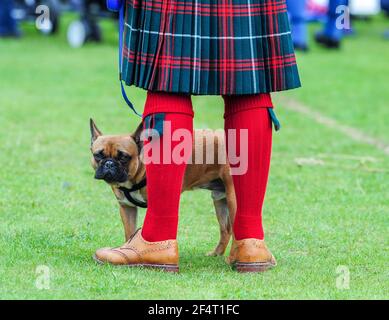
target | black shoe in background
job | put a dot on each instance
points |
(301, 47)
(15, 34)
(327, 41)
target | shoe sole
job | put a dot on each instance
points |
(173, 268)
(252, 267)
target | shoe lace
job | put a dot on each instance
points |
(131, 237)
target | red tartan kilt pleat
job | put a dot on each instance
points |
(209, 47)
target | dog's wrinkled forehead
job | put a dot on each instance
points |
(111, 145)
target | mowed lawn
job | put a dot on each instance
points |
(327, 207)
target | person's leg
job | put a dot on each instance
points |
(332, 35)
(8, 26)
(251, 113)
(164, 180)
(330, 29)
(155, 245)
(297, 15)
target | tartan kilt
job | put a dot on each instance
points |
(208, 47)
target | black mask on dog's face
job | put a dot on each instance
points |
(111, 170)
(114, 157)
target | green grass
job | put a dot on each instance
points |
(317, 217)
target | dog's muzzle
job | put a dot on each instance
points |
(110, 171)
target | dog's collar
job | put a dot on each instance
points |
(135, 187)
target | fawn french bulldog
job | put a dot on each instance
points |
(118, 160)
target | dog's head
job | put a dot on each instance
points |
(115, 158)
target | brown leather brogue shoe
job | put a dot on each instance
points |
(250, 255)
(137, 252)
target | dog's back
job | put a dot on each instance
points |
(208, 164)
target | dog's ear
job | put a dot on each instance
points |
(136, 136)
(94, 131)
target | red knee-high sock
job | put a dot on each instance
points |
(164, 181)
(250, 112)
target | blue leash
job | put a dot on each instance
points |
(273, 117)
(115, 6)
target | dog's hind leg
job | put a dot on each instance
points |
(230, 196)
(222, 214)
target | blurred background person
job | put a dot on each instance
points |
(8, 25)
(298, 21)
(385, 8)
(331, 36)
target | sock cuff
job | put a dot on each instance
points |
(160, 228)
(239, 103)
(158, 102)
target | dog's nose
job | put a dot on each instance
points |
(108, 165)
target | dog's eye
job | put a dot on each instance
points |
(123, 157)
(99, 156)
